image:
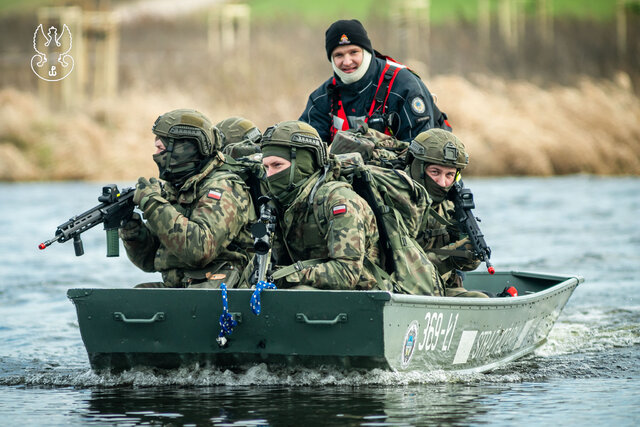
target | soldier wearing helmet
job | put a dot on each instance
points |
(328, 234)
(240, 137)
(195, 232)
(435, 159)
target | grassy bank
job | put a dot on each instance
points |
(510, 128)
(533, 111)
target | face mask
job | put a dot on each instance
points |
(284, 187)
(417, 172)
(437, 193)
(280, 187)
(181, 163)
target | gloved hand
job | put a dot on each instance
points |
(147, 191)
(131, 229)
(463, 244)
(463, 257)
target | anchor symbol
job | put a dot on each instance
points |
(53, 71)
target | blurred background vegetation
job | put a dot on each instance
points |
(533, 87)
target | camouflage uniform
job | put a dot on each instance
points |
(440, 237)
(195, 232)
(326, 230)
(445, 246)
(240, 138)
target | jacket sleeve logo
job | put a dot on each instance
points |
(418, 106)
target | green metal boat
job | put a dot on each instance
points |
(169, 328)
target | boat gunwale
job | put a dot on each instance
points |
(570, 281)
(389, 297)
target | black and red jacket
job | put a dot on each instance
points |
(408, 107)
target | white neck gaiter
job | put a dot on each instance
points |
(348, 78)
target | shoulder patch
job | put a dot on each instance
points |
(339, 209)
(215, 194)
(418, 106)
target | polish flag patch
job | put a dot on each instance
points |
(339, 209)
(214, 194)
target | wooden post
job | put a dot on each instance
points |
(411, 22)
(484, 25)
(621, 28)
(102, 38)
(519, 21)
(229, 31)
(545, 20)
(505, 21)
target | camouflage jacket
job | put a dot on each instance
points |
(202, 230)
(335, 238)
(444, 243)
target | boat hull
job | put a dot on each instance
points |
(169, 328)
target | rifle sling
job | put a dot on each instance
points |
(295, 267)
(442, 220)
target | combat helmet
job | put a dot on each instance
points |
(299, 143)
(238, 129)
(296, 135)
(189, 138)
(440, 147)
(186, 123)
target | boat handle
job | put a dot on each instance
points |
(340, 318)
(158, 317)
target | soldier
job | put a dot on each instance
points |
(328, 232)
(369, 87)
(435, 159)
(195, 232)
(240, 137)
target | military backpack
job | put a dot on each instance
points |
(376, 148)
(399, 204)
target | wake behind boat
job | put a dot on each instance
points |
(169, 328)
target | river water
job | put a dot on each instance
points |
(587, 373)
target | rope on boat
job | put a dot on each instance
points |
(255, 298)
(227, 322)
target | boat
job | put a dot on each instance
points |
(169, 328)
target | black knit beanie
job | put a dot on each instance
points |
(346, 31)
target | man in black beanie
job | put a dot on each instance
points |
(369, 87)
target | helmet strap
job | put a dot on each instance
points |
(292, 169)
(169, 150)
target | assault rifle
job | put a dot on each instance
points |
(462, 199)
(115, 208)
(262, 232)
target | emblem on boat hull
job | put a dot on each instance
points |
(409, 343)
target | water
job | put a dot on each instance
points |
(587, 373)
